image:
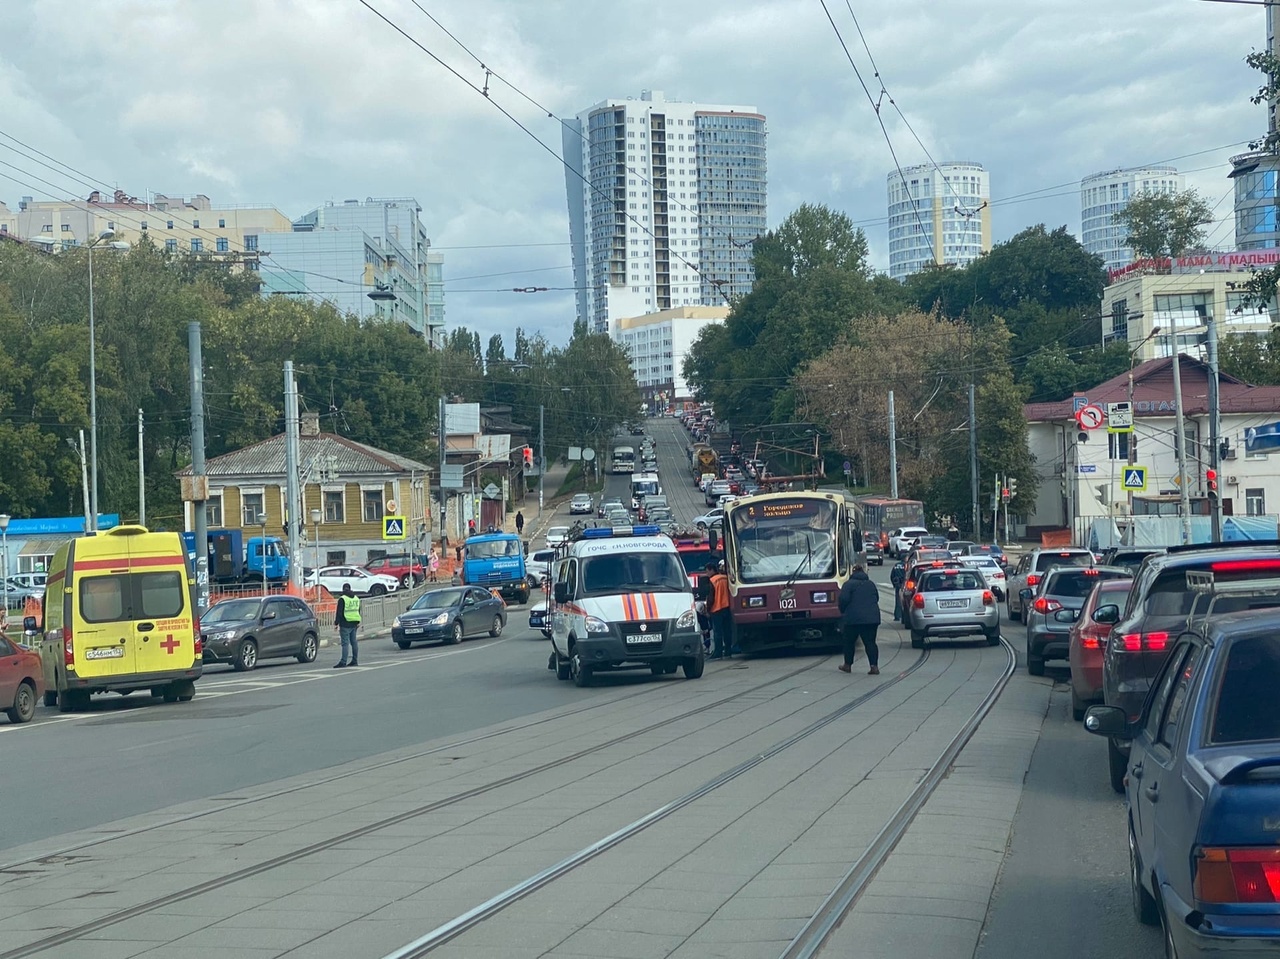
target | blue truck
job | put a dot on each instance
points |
(496, 561)
(234, 559)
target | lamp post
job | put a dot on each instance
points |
(1133, 437)
(316, 516)
(102, 237)
(4, 548)
(262, 551)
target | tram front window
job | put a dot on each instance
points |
(785, 540)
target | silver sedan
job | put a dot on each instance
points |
(952, 602)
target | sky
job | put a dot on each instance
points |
(292, 103)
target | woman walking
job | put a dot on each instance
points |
(860, 618)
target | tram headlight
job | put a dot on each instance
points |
(755, 602)
(823, 597)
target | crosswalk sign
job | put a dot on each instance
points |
(1135, 478)
(393, 527)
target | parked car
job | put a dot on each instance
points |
(557, 536)
(537, 566)
(581, 503)
(16, 596)
(246, 630)
(1130, 556)
(1203, 788)
(1158, 608)
(407, 570)
(1032, 567)
(1050, 610)
(21, 681)
(28, 580)
(900, 539)
(952, 602)
(539, 618)
(1088, 639)
(449, 615)
(363, 582)
(872, 550)
(991, 571)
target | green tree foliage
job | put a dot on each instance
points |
(1159, 224)
(1055, 372)
(1254, 359)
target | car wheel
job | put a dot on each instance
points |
(50, 697)
(246, 656)
(702, 526)
(1077, 707)
(24, 704)
(310, 645)
(580, 673)
(562, 667)
(1035, 665)
(1145, 909)
(406, 581)
(456, 636)
(1116, 763)
(72, 699)
(523, 597)
(917, 640)
(993, 638)
(403, 643)
(377, 589)
(693, 667)
(496, 629)
(1016, 617)
(185, 690)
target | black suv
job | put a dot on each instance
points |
(1158, 606)
(1129, 556)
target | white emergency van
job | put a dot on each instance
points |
(622, 600)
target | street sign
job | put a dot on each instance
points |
(588, 454)
(1119, 417)
(1262, 439)
(451, 476)
(1078, 403)
(1090, 417)
(1087, 468)
(492, 492)
(575, 453)
(1135, 479)
(848, 467)
(393, 527)
(1176, 480)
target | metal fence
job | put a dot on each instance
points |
(376, 612)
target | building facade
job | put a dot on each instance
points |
(1103, 195)
(1256, 174)
(938, 214)
(1181, 300)
(656, 344)
(368, 258)
(665, 198)
(171, 223)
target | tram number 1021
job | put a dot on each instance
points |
(787, 603)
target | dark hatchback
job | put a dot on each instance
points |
(243, 631)
(1203, 788)
(449, 615)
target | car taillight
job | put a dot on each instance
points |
(199, 638)
(1237, 875)
(909, 585)
(1093, 638)
(1043, 605)
(918, 601)
(1148, 642)
(988, 599)
(68, 647)
(1033, 580)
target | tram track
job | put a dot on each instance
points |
(82, 930)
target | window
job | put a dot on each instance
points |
(334, 506)
(1247, 708)
(105, 599)
(222, 224)
(197, 245)
(66, 228)
(168, 224)
(144, 224)
(171, 245)
(1255, 502)
(213, 511)
(223, 245)
(1118, 445)
(251, 242)
(1158, 698)
(195, 224)
(1178, 699)
(251, 504)
(335, 557)
(47, 228)
(372, 499)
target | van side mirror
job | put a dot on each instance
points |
(1107, 615)
(562, 592)
(28, 624)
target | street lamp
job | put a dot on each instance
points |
(262, 551)
(4, 547)
(316, 516)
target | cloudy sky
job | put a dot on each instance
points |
(291, 103)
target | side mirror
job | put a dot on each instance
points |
(1107, 615)
(269, 614)
(1107, 721)
(562, 592)
(713, 539)
(1066, 616)
(28, 624)
(1026, 594)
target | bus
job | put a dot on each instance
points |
(787, 555)
(642, 485)
(881, 514)
(624, 460)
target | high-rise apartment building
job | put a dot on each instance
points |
(1257, 177)
(938, 214)
(665, 199)
(1103, 195)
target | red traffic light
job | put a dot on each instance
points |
(528, 456)
(1211, 482)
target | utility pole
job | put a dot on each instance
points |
(199, 487)
(995, 512)
(893, 450)
(444, 496)
(142, 478)
(1180, 444)
(542, 454)
(973, 459)
(293, 492)
(1215, 423)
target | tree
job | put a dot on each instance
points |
(1159, 225)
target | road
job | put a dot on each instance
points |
(302, 811)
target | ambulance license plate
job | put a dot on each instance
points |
(642, 639)
(105, 652)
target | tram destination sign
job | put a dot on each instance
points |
(785, 509)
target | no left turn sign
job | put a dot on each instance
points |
(1090, 417)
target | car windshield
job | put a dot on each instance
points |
(437, 599)
(1248, 709)
(494, 548)
(950, 581)
(634, 573)
(1078, 583)
(1063, 558)
(233, 610)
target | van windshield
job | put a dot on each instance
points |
(634, 573)
(131, 596)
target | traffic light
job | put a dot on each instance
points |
(1211, 483)
(1013, 487)
(528, 457)
(1004, 494)
(1063, 484)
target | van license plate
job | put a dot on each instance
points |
(105, 652)
(641, 639)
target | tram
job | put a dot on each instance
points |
(787, 555)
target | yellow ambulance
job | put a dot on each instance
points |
(120, 616)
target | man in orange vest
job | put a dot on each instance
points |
(721, 618)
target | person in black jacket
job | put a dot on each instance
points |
(860, 617)
(897, 577)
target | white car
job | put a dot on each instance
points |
(710, 518)
(363, 582)
(992, 572)
(538, 565)
(557, 536)
(581, 503)
(900, 539)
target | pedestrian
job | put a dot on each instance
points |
(348, 620)
(702, 603)
(721, 617)
(859, 619)
(519, 523)
(433, 564)
(897, 577)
